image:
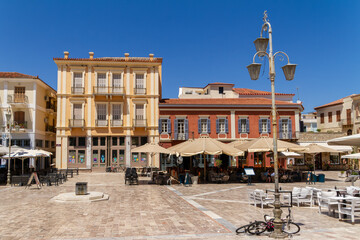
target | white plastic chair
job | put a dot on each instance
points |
(351, 207)
(305, 196)
(324, 200)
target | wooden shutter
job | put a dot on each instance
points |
(290, 128)
(260, 125)
(169, 125)
(116, 111)
(101, 111)
(268, 126)
(217, 126)
(208, 126)
(175, 129)
(139, 112)
(199, 125)
(101, 79)
(186, 123)
(139, 81)
(247, 126)
(226, 126)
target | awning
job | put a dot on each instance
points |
(335, 147)
(352, 156)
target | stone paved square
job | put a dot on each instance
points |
(205, 211)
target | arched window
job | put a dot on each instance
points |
(349, 132)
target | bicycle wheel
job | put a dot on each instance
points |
(242, 229)
(257, 228)
(290, 228)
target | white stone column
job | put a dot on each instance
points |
(232, 125)
(88, 150)
(128, 150)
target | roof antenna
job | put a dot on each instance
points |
(297, 90)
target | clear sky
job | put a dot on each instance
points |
(200, 41)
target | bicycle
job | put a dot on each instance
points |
(244, 229)
(288, 226)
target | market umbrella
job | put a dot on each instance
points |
(5, 150)
(352, 156)
(352, 140)
(152, 148)
(205, 145)
(265, 144)
(316, 149)
(27, 153)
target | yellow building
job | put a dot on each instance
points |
(107, 106)
(32, 104)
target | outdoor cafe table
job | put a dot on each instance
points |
(343, 199)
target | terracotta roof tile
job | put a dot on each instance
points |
(339, 101)
(16, 75)
(225, 101)
(246, 91)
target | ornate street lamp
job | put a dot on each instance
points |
(289, 72)
(8, 120)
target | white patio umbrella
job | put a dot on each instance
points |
(352, 156)
(204, 146)
(352, 140)
(314, 149)
(152, 148)
(27, 153)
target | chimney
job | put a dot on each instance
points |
(66, 54)
(126, 56)
(91, 54)
(151, 55)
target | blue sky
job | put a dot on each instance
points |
(200, 41)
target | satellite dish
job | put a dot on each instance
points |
(180, 160)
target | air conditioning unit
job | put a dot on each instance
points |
(46, 98)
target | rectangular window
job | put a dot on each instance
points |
(78, 83)
(164, 126)
(338, 118)
(121, 156)
(46, 144)
(139, 111)
(101, 83)
(103, 141)
(77, 111)
(222, 123)
(243, 125)
(101, 79)
(95, 141)
(181, 126)
(81, 156)
(114, 141)
(264, 125)
(221, 90)
(122, 141)
(322, 118)
(203, 125)
(116, 111)
(334, 159)
(72, 155)
(101, 111)
(81, 141)
(72, 141)
(114, 157)
(117, 80)
(19, 96)
(39, 143)
(330, 116)
(135, 141)
(52, 144)
(139, 81)
(143, 140)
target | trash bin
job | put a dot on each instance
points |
(81, 188)
(314, 177)
(321, 178)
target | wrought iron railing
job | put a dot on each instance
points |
(139, 123)
(77, 90)
(76, 123)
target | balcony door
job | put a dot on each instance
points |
(101, 83)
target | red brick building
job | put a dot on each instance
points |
(227, 114)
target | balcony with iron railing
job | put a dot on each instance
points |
(77, 123)
(50, 106)
(116, 123)
(77, 90)
(49, 128)
(17, 99)
(139, 123)
(140, 91)
(101, 123)
(108, 90)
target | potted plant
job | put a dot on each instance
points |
(218, 162)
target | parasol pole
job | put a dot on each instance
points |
(204, 167)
